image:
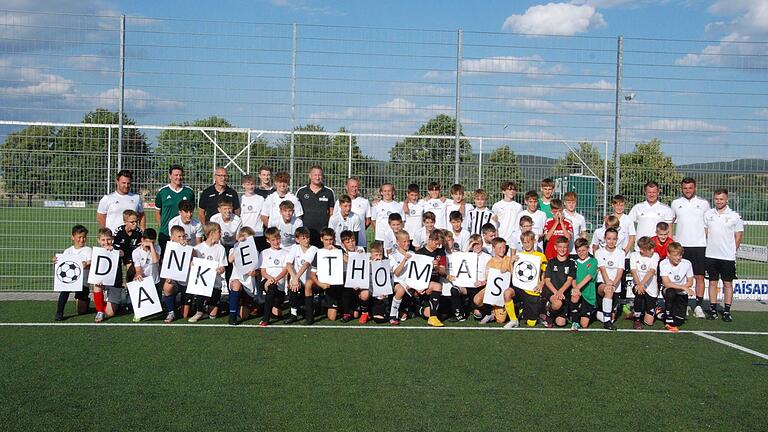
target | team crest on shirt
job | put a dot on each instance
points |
(250, 207)
(306, 196)
(610, 263)
(566, 270)
(277, 262)
(677, 278)
(435, 205)
(643, 267)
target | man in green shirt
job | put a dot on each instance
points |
(583, 310)
(167, 201)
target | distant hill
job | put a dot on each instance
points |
(756, 166)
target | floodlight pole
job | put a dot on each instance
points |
(121, 108)
(293, 105)
(457, 139)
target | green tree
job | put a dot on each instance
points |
(422, 160)
(648, 162)
(26, 155)
(78, 169)
(500, 166)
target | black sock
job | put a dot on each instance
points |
(269, 300)
(726, 308)
(63, 298)
(713, 307)
(364, 305)
(456, 301)
(309, 311)
(347, 301)
(699, 300)
(434, 303)
(575, 312)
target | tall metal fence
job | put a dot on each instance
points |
(379, 103)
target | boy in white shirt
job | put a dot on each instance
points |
(724, 232)
(212, 250)
(286, 224)
(344, 219)
(610, 266)
(677, 277)
(505, 213)
(413, 209)
(460, 235)
(381, 211)
(271, 207)
(251, 204)
(83, 252)
(457, 203)
(193, 229)
(643, 265)
(299, 260)
(395, 226)
(146, 259)
(538, 217)
(397, 261)
(420, 237)
(333, 293)
(578, 223)
(437, 204)
(273, 272)
(239, 284)
(229, 223)
(488, 232)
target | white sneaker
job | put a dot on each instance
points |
(488, 318)
(511, 324)
(689, 311)
(99, 317)
(196, 317)
(698, 312)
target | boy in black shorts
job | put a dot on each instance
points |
(558, 280)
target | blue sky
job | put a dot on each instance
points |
(694, 69)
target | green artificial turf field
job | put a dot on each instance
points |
(148, 376)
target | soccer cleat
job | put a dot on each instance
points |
(608, 325)
(196, 317)
(477, 316)
(575, 326)
(548, 323)
(530, 323)
(433, 321)
(58, 317)
(688, 311)
(170, 317)
(671, 328)
(136, 319)
(309, 320)
(346, 318)
(291, 319)
(263, 323)
(212, 316)
(233, 320)
(637, 325)
(488, 318)
(712, 315)
(99, 317)
(363, 318)
(458, 318)
(698, 312)
(512, 324)
(394, 321)
(727, 317)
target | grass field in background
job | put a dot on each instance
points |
(199, 377)
(29, 237)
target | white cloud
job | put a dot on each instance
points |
(538, 122)
(762, 113)
(555, 19)
(24, 81)
(530, 104)
(683, 125)
(135, 99)
(533, 135)
(587, 106)
(395, 108)
(532, 66)
(303, 7)
(413, 89)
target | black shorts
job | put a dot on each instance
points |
(645, 303)
(333, 296)
(82, 294)
(721, 269)
(586, 310)
(696, 256)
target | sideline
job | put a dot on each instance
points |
(732, 345)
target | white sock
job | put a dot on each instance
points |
(395, 308)
(607, 307)
(294, 311)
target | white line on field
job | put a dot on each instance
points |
(732, 345)
(363, 328)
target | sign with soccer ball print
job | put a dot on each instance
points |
(68, 273)
(144, 298)
(104, 265)
(525, 271)
(495, 286)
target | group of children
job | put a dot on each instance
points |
(578, 281)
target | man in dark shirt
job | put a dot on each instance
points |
(213, 194)
(317, 202)
(265, 187)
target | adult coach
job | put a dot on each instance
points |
(690, 232)
(265, 187)
(111, 207)
(361, 207)
(317, 202)
(650, 212)
(211, 196)
(167, 201)
(724, 232)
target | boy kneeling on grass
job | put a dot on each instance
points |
(211, 250)
(677, 277)
(83, 252)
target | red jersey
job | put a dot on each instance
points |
(661, 248)
(561, 230)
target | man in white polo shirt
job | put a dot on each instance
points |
(650, 212)
(361, 208)
(690, 232)
(724, 231)
(111, 207)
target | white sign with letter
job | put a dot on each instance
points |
(202, 277)
(358, 271)
(330, 266)
(463, 266)
(381, 278)
(68, 273)
(144, 298)
(526, 271)
(246, 256)
(176, 259)
(495, 286)
(104, 265)
(418, 271)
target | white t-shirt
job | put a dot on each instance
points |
(114, 204)
(380, 214)
(439, 208)
(646, 217)
(339, 224)
(271, 207)
(143, 258)
(361, 207)
(452, 206)
(477, 218)
(579, 225)
(598, 238)
(419, 239)
(506, 212)
(539, 219)
(192, 231)
(611, 261)
(215, 253)
(390, 241)
(643, 265)
(689, 221)
(274, 261)
(413, 220)
(299, 257)
(461, 240)
(228, 229)
(627, 225)
(678, 274)
(287, 230)
(395, 258)
(482, 265)
(721, 231)
(250, 213)
(84, 254)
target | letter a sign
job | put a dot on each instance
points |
(144, 298)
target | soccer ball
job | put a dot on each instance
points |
(68, 272)
(525, 271)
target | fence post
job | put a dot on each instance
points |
(457, 140)
(248, 152)
(617, 115)
(215, 149)
(349, 159)
(480, 165)
(293, 106)
(121, 108)
(109, 156)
